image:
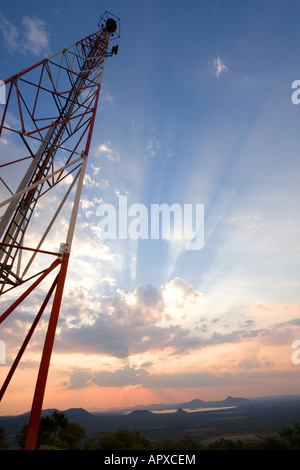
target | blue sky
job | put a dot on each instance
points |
(195, 108)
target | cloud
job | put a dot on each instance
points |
(106, 100)
(133, 376)
(10, 33)
(33, 39)
(172, 318)
(119, 378)
(153, 146)
(151, 320)
(88, 204)
(178, 293)
(107, 150)
(124, 324)
(36, 36)
(219, 66)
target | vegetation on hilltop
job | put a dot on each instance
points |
(57, 433)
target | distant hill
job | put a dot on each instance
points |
(229, 401)
(232, 415)
(141, 413)
(190, 405)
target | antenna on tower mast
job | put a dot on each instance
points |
(47, 124)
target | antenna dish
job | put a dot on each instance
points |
(110, 25)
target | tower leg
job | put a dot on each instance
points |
(27, 339)
(35, 415)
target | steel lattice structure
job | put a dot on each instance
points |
(48, 120)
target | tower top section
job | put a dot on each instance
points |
(53, 104)
(111, 24)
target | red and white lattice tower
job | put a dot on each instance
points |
(47, 120)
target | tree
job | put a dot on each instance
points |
(226, 444)
(292, 436)
(275, 443)
(55, 432)
(121, 440)
(4, 445)
(188, 443)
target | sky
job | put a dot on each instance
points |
(196, 108)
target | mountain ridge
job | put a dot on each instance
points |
(232, 415)
(190, 405)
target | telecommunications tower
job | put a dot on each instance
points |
(46, 127)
